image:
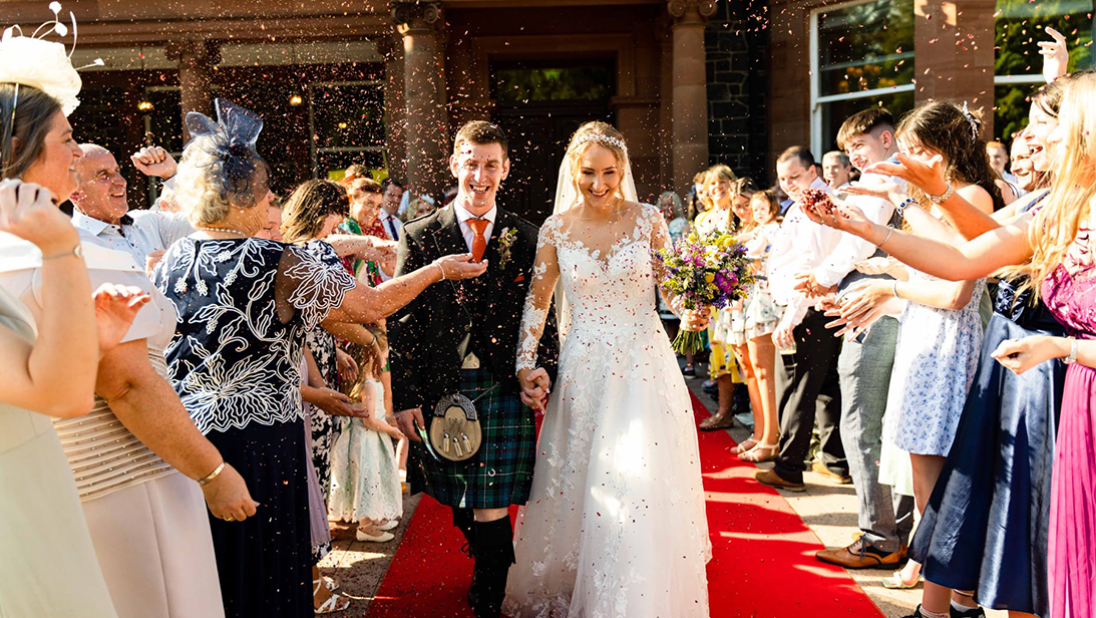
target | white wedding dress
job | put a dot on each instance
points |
(616, 525)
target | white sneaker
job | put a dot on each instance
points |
(391, 525)
(383, 537)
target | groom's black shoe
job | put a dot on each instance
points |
(494, 549)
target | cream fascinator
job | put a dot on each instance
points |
(45, 65)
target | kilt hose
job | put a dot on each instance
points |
(501, 472)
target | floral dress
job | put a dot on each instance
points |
(759, 315)
(245, 307)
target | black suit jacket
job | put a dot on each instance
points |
(428, 336)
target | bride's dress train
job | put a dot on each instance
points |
(616, 524)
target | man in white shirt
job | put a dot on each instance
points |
(865, 363)
(389, 217)
(836, 169)
(102, 211)
(806, 379)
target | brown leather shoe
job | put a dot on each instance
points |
(772, 479)
(820, 468)
(717, 421)
(859, 555)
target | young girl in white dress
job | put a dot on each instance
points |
(365, 481)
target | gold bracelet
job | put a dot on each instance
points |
(202, 482)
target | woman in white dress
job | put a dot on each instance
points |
(615, 525)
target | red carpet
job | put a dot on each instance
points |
(763, 563)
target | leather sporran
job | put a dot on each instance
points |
(455, 433)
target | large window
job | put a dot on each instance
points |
(347, 120)
(1020, 25)
(861, 57)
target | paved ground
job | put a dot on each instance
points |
(828, 509)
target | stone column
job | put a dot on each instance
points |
(690, 90)
(420, 25)
(955, 54)
(196, 58)
(395, 106)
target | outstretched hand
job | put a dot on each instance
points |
(929, 177)
(154, 161)
(460, 266)
(535, 387)
(845, 217)
(116, 306)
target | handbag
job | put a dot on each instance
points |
(455, 433)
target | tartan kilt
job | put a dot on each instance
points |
(501, 473)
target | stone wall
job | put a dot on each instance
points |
(737, 47)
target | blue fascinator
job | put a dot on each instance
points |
(232, 142)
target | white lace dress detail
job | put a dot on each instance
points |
(616, 525)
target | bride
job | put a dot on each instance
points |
(615, 525)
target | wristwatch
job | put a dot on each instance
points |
(940, 199)
(78, 251)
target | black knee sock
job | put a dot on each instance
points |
(465, 520)
(494, 549)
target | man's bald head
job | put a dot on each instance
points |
(101, 188)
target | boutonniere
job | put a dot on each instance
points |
(506, 242)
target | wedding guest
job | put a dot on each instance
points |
(1028, 179)
(245, 306)
(699, 205)
(761, 315)
(389, 214)
(136, 453)
(982, 517)
(865, 363)
(806, 376)
(48, 371)
(102, 209)
(999, 161)
(365, 488)
(836, 169)
(721, 188)
(674, 213)
(989, 488)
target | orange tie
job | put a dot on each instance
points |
(479, 241)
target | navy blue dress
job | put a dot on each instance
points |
(985, 526)
(235, 363)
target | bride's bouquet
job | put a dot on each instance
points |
(703, 272)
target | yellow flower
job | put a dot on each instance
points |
(709, 277)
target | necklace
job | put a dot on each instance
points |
(222, 230)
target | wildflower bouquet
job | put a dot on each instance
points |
(703, 272)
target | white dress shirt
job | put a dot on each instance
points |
(462, 218)
(852, 249)
(141, 232)
(799, 246)
(392, 225)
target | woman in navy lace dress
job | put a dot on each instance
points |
(245, 307)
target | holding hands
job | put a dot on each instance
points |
(535, 387)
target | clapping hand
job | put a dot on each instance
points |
(460, 266)
(1055, 55)
(115, 308)
(535, 387)
(154, 161)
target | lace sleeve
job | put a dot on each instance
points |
(539, 299)
(317, 287)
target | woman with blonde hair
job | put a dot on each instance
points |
(1051, 245)
(617, 493)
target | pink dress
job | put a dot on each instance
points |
(1070, 294)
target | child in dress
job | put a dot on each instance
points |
(760, 316)
(365, 482)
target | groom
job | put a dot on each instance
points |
(462, 337)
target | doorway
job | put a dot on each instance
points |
(540, 104)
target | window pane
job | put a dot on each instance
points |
(833, 114)
(1020, 26)
(348, 115)
(560, 80)
(865, 46)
